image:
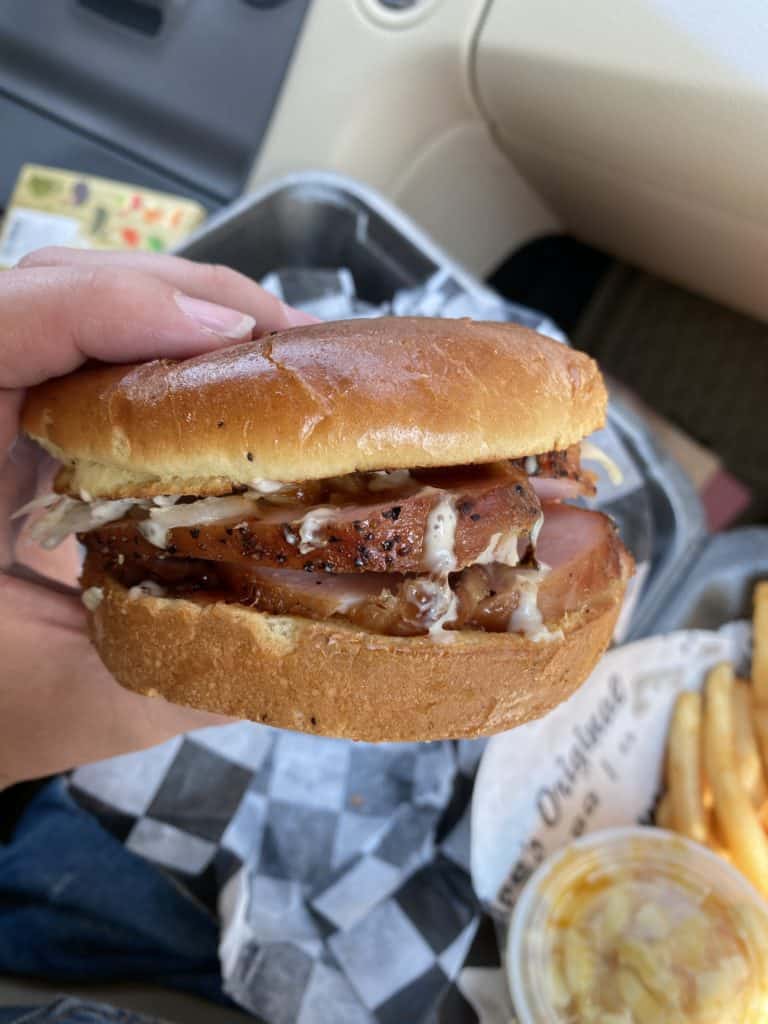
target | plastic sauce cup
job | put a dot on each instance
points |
(638, 926)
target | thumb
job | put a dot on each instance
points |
(54, 318)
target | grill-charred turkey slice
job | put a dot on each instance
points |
(384, 533)
(580, 550)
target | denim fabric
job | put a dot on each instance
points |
(76, 904)
(72, 1011)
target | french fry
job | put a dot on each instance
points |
(663, 814)
(684, 768)
(706, 789)
(748, 761)
(716, 843)
(760, 724)
(760, 643)
(736, 817)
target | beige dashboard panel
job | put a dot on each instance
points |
(645, 124)
(388, 97)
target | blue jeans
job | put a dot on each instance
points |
(71, 1011)
(75, 904)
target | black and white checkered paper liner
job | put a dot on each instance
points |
(339, 870)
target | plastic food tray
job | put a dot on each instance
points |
(718, 586)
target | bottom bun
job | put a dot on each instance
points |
(335, 680)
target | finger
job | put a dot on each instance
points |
(54, 318)
(203, 280)
(44, 605)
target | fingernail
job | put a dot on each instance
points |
(297, 317)
(219, 320)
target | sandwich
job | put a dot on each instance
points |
(360, 529)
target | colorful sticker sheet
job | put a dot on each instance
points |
(50, 206)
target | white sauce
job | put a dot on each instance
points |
(531, 465)
(349, 600)
(147, 588)
(92, 598)
(440, 537)
(389, 480)
(164, 500)
(72, 516)
(197, 513)
(155, 533)
(506, 550)
(591, 453)
(438, 605)
(489, 554)
(527, 618)
(436, 630)
(536, 530)
(268, 486)
(502, 547)
(312, 528)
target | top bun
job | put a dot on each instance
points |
(317, 401)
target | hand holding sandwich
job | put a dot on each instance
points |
(357, 529)
(60, 308)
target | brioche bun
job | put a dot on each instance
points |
(314, 402)
(336, 680)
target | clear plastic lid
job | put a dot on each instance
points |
(638, 925)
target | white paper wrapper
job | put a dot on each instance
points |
(331, 295)
(594, 762)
